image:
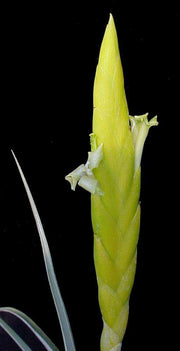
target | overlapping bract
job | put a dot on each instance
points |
(115, 205)
(116, 214)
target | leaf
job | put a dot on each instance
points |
(14, 336)
(58, 301)
(43, 338)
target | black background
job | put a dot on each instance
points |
(49, 54)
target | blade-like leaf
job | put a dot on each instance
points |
(14, 336)
(58, 301)
(43, 338)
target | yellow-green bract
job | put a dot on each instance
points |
(112, 175)
(116, 214)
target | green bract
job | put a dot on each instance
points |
(115, 210)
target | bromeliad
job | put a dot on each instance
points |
(113, 179)
(112, 176)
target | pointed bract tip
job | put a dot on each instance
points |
(110, 17)
(111, 20)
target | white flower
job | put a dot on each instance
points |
(83, 175)
(140, 128)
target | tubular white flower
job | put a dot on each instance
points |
(140, 128)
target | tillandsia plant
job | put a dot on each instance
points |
(112, 176)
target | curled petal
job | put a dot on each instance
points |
(83, 175)
(75, 175)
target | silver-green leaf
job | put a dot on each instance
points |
(58, 301)
(39, 334)
(14, 336)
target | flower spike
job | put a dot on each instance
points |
(116, 214)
